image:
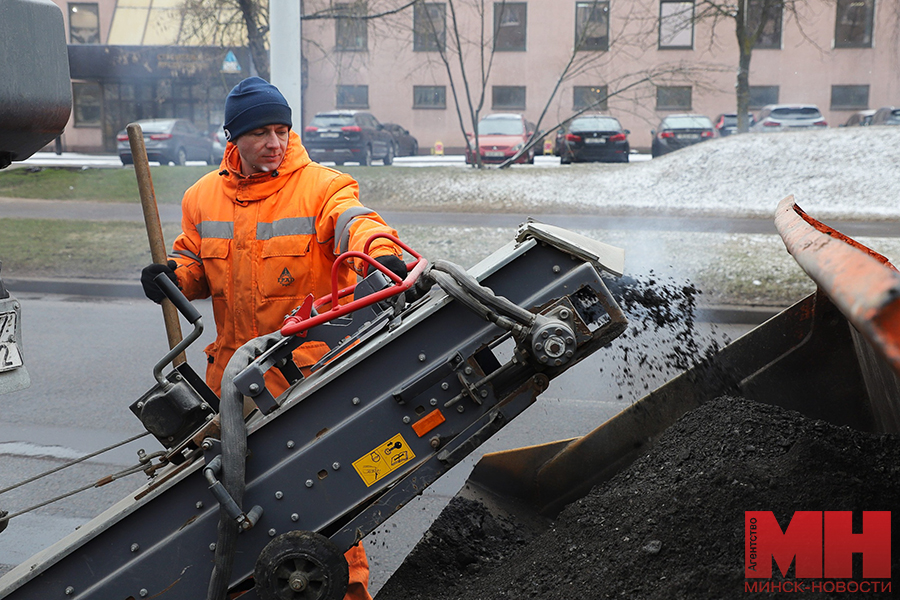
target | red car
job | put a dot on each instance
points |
(500, 136)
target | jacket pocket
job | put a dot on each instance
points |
(214, 254)
(284, 267)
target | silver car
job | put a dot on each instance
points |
(168, 141)
(781, 117)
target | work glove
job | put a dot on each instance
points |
(393, 264)
(149, 272)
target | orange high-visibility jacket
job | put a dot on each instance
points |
(258, 245)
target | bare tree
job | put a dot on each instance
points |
(756, 23)
(595, 48)
(229, 23)
(239, 22)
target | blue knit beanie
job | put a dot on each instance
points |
(254, 103)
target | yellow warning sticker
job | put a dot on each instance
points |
(383, 460)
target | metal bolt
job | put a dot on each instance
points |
(484, 393)
(545, 334)
(70, 590)
(468, 370)
(204, 406)
(336, 466)
(422, 357)
(254, 387)
(271, 533)
(433, 402)
(355, 401)
(309, 483)
(570, 339)
(460, 408)
(279, 495)
(199, 504)
(290, 444)
(295, 517)
(212, 547)
(207, 444)
(135, 547)
(538, 346)
(564, 313)
(140, 405)
(178, 377)
(556, 269)
(435, 442)
(406, 420)
(143, 593)
(445, 386)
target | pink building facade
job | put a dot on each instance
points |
(650, 57)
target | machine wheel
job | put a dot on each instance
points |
(301, 565)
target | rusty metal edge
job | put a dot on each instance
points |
(862, 283)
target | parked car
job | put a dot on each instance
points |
(726, 123)
(859, 119)
(678, 131)
(168, 141)
(348, 136)
(592, 137)
(780, 117)
(888, 115)
(404, 143)
(500, 136)
(218, 143)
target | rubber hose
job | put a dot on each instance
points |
(234, 453)
(498, 303)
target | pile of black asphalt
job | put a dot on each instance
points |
(672, 524)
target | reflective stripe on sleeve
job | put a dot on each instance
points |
(342, 228)
(188, 254)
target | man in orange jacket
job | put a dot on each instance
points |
(261, 234)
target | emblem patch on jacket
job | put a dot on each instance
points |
(285, 278)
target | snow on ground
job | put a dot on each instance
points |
(851, 173)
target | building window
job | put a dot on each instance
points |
(84, 24)
(87, 102)
(429, 27)
(676, 25)
(509, 26)
(352, 96)
(508, 97)
(849, 97)
(429, 96)
(853, 25)
(762, 95)
(593, 96)
(351, 33)
(592, 25)
(674, 97)
(770, 36)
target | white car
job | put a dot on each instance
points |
(781, 117)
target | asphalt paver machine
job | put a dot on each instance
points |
(261, 496)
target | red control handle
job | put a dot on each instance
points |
(298, 323)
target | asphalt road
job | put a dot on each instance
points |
(89, 358)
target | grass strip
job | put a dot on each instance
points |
(59, 248)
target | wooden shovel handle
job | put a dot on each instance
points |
(154, 228)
